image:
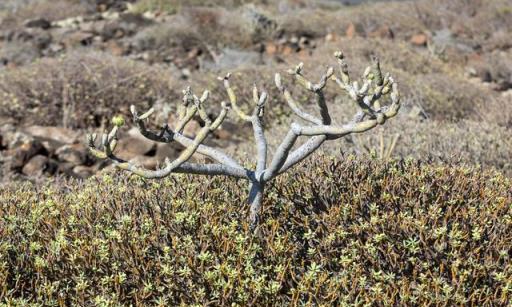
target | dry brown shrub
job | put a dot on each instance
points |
(204, 28)
(474, 142)
(50, 10)
(79, 90)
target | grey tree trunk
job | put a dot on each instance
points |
(256, 190)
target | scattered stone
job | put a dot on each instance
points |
(419, 40)
(35, 166)
(191, 129)
(83, 171)
(170, 151)
(25, 152)
(260, 24)
(38, 23)
(125, 25)
(59, 134)
(223, 134)
(74, 153)
(77, 39)
(12, 138)
(483, 73)
(134, 145)
(69, 23)
(65, 168)
(331, 37)
(39, 165)
(147, 162)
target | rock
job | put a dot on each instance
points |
(83, 171)
(134, 145)
(38, 23)
(502, 85)
(69, 23)
(55, 48)
(126, 25)
(74, 153)
(78, 38)
(65, 168)
(147, 162)
(419, 39)
(191, 128)
(417, 113)
(53, 138)
(25, 152)
(42, 39)
(170, 151)
(331, 37)
(11, 137)
(114, 5)
(35, 166)
(223, 134)
(483, 74)
(382, 32)
(38, 165)
(59, 134)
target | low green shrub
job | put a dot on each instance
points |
(334, 232)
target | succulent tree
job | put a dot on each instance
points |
(367, 95)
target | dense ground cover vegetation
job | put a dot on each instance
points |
(405, 223)
(335, 231)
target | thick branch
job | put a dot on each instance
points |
(282, 152)
(166, 135)
(304, 151)
(259, 134)
(110, 140)
(186, 167)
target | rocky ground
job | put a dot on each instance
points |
(68, 66)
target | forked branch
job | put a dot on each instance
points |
(368, 95)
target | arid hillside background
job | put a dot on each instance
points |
(68, 66)
(416, 212)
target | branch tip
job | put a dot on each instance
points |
(278, 81)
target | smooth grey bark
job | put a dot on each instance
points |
(256, 190)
